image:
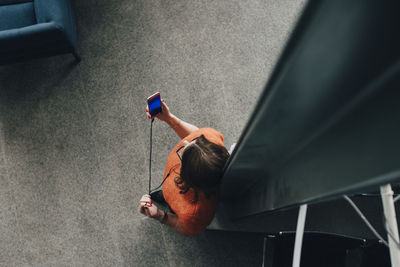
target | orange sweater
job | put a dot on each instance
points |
(192, 218)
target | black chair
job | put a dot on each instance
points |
(318, 249)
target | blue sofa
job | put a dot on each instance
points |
(36, 28)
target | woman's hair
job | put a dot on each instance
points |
(201, 168)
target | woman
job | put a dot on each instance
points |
(192, 177)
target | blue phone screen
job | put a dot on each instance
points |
(155, 106)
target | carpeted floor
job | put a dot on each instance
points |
(74, 138)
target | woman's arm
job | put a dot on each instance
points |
(172, 222)
(181, 128)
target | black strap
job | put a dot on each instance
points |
(151, 148)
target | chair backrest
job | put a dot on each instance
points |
(327, 122)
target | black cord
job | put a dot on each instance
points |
(151, 148)
(165, 178)
(151, 143)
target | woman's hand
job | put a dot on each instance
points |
(147, 208)
(164, 115)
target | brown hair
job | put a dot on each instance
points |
(201, 170)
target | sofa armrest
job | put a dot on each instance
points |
(60, 12)
(34, 36)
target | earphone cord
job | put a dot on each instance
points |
(151, 133)
(165, 178)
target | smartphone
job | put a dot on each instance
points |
(154, 103)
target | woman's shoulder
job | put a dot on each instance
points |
(209, 133)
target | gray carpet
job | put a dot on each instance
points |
(74, 138)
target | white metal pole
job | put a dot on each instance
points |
(391, 224)
(299, 235)
(264, 251)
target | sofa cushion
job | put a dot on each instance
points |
(17, 15)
